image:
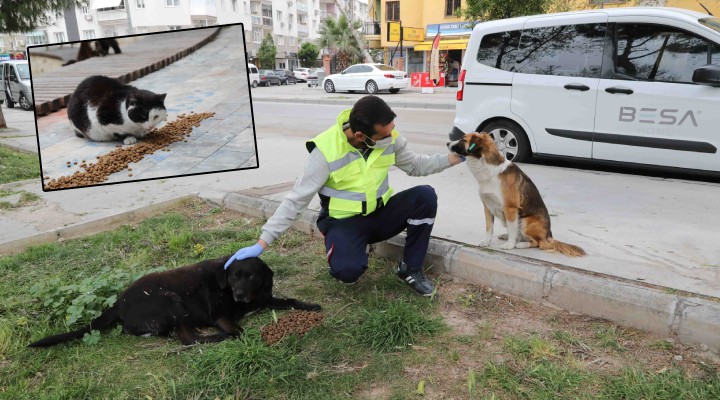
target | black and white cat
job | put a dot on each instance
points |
(104, 109)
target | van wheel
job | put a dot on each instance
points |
(393, 91)
(329, 87)
(8, 100)
(371, 87)
(254, 84)
(510, 139)
(25, 103)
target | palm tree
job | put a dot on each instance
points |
(338, 35)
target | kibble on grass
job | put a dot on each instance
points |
(299, 322)
(119, 159)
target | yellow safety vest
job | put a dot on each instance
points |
(354, 185)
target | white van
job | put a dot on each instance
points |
(253, 75)
(629, 85)
(15, 84)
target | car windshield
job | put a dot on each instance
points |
(24, 71)
(712, 23)
(383, 67)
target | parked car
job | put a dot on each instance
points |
(371, 78)
(315, 76)
(268, 77)
(627, 85)
(285, 76)
(301, 74)
(254, 75)
(15, 84)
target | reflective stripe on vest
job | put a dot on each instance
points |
(355, 184)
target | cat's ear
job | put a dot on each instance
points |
(162, 97)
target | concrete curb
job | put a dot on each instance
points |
(91, 227)
(350, 102)
(691, 320)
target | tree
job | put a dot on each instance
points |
(308, 54)
(338, 35)
(356, 32)
(267, 52)
(26, 16)
(487, 10)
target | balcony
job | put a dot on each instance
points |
(302, 8)
(267, 21)
(303, 30)
(256, 20)
(111, 15)
(371, 28)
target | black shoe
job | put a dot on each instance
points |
(416, 280)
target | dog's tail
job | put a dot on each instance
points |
(108, 318)
(564, 248)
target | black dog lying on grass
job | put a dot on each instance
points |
(183, 299)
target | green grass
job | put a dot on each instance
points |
(17, 166)
(25, 199)
(374, 334)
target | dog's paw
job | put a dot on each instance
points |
(504, 236)
(130, 140)
(485, 243)
(508, 246)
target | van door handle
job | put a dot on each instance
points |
(614, 90)
(574, 86)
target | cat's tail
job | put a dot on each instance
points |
(567, 249)
(107, 319)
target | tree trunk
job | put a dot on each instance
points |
(342, 5)
(3, 124)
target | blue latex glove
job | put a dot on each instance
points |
(246, 252)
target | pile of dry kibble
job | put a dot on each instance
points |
(298, 322)
(119, 159)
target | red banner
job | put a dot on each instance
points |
(422, 79)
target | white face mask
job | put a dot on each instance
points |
(378, 144)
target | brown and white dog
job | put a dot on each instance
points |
(510, 196)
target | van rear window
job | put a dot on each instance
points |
(499, 50)
(713, 23)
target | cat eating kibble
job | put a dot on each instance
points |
(104, 109)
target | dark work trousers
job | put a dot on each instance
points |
(346, 239)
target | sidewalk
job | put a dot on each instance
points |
(653, 257)
(441, 99)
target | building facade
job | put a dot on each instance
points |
(290, 22)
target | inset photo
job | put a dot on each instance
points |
(135, 108)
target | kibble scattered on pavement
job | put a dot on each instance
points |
(119, 159)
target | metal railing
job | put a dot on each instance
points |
(371, 28)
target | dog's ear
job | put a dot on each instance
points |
(475, 144)
(221, 274)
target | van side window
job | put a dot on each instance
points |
(254, 70)
(499, 50)
(715, 54)
(569, 50)
(660, 53)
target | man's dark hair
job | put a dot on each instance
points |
(367, 112)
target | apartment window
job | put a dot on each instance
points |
(279, 15)
(174, 27)
(85, 9)
(302, 19)
(291, 18)
(172, 3)
(451, 6)
(89, 34)
(140, 3)
(59, 37)
(257, 35)
(267, 10)
(281, 40)
(282, 65)
(234, 5)
(392, 11)
(292, 41)
(255, 7)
